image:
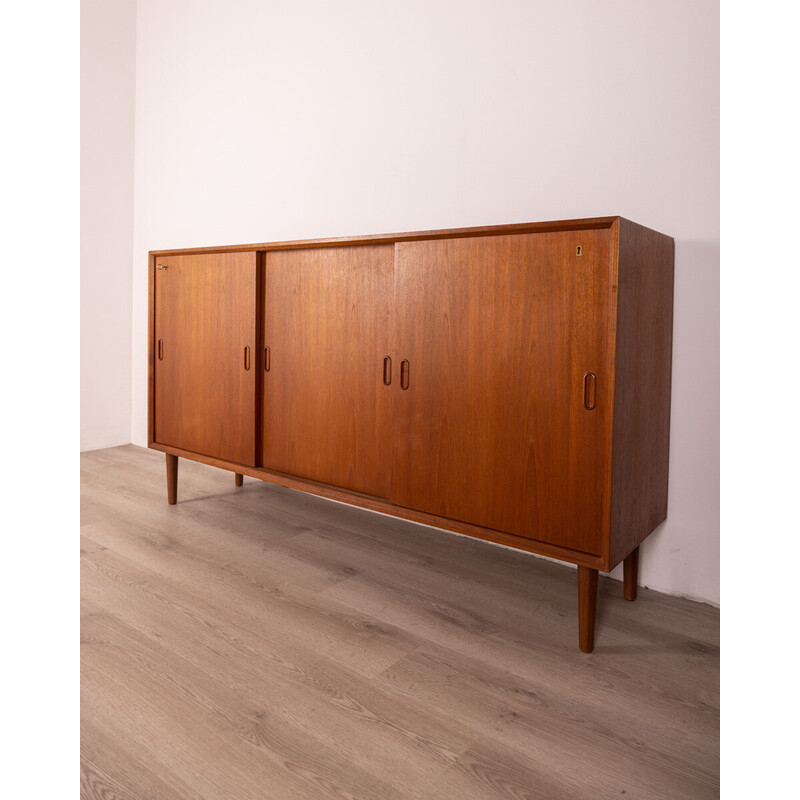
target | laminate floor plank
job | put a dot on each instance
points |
(688, 675)
(208, 539)
(291, 754)
(428, 547)
(503, 610)
(363, 722)
(180, 738)
(538, 727)
(264, 599)
(662, 722)
(523, 575)
(259, 642)
(113, 768)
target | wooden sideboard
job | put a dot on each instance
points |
(511, 383)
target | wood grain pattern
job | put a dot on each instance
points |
(587, 607)
(151, 348)
(499, 333)
(630, 568)
(172, 478)
(412, 236)
(206, 314)
(112, 766)
(642, 390)
(259, 640)
(327, 412)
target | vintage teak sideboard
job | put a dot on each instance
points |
(511, 383)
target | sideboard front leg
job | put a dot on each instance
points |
(172, 479)
(238, 479)
(587, 607)
(630, 574)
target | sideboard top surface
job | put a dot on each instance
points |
(389, 238)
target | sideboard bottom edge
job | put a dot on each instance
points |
(383, 506)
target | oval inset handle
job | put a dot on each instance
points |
(266, 359)
(246, 357)
(404, 368)
(589, 390)
(387, 371)
(160, 349)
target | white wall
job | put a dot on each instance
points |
(108, 53)
(265, 121)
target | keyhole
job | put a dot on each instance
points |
(578, 252)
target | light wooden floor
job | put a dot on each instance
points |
(261, 643)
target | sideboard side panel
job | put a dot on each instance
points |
(643, 377)
(151, 345)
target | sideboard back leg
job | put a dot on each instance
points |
(238, 478)
(172, 479)
(630, 571)
(587, 607)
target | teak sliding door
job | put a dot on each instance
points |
(205, 343)
(506, 418)
(328, 391)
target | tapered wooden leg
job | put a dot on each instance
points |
(630, 573)
(587, 607)
(172, 479)
(238, 479)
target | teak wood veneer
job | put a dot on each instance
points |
(511, 383)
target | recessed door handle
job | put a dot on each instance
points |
(160, 349)
(246, 357)
(589, 390)
(266, 359)
(404, 369)
(387, 371)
